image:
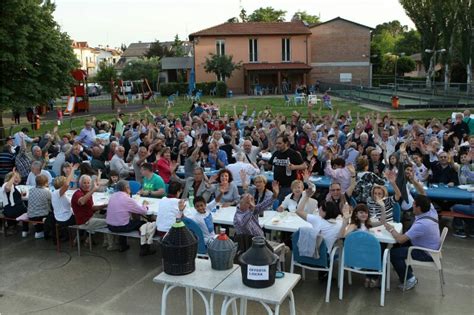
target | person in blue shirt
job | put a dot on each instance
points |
(217, 158)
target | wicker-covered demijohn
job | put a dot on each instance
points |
(222, 252)
(179, 248)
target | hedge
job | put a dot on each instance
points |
(167, 89)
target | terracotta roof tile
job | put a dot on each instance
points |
(254, 28)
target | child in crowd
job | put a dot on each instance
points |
(113, 180)
(203, 217)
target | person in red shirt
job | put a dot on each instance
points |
(83, 205)
(164, 166)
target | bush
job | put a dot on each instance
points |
(221, 89)
(167, 89)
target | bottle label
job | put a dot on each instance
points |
(258, 272)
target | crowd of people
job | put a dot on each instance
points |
(223, 160)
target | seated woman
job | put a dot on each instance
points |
(379, 196)
(360, 221)
(66, 170)
(224, 184)
(291, 201)
(39, 201)
(264, 198)
(163, 165)
(365, 181)
(13, 205)
(61, 204)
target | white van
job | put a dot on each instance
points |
(127, 87)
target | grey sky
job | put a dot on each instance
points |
(114, 22)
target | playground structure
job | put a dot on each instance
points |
(79, 100)
(119, 93)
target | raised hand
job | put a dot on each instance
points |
(275, 187)
(351, 169)
(346, 211)
(243, 176)
(390, 175)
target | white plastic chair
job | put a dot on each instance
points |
(435, 264)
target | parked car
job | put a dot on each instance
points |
(94, 89)
(127, 87)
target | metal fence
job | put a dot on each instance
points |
(409, 94)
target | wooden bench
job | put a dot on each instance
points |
(133, 234)
(4, 220)
(453, 214)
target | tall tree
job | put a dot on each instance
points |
(243, 15)
(221, 65)
(267, 14)
(422, 13)
(466, 27)
(158, 50)
(409, 43)
(177, 47)
(105, 73)
(36, 56)
(142, 69)
(306, 17)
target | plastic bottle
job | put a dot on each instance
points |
(191, 197)
(222, 236)
(288, 171)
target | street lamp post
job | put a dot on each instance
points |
(434, 52)
(395, 72)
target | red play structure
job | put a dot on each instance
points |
(79, 101)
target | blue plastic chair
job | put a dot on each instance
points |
(361, 254)
(134, 186)
(352, 202)
(324, 263)
(276, 204)
(287, 100)
(397, 213)
(194, 227)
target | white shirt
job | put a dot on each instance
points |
(328, 230)
(235, 169)
(31, 180)
(167, 213)
(118, 164)
(21, 135)
(189, 140)
(61, 206)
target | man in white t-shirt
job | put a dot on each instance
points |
(242, 165)
(328, 222)
(35, 171)
(169, 208)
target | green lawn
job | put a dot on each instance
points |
(276, 104)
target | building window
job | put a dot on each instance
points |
(285, 49)
(220, 47)
(253, 50)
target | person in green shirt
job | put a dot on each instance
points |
(469, 121)
(153, 184)
(119, 125)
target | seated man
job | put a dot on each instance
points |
(35, 171)
(424, 233)
(153, 184)
(120, 207)
(169, 208)
(118, 164)
(83, 207)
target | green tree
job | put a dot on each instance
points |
(142, 69)
(158, 50)
(243, 15)
(177, 47)
(409, 43)
(105, 73)
(306, 17)
(466, 46)
(221, 65)
(267, 14)
(394, 28)
(36, 57)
